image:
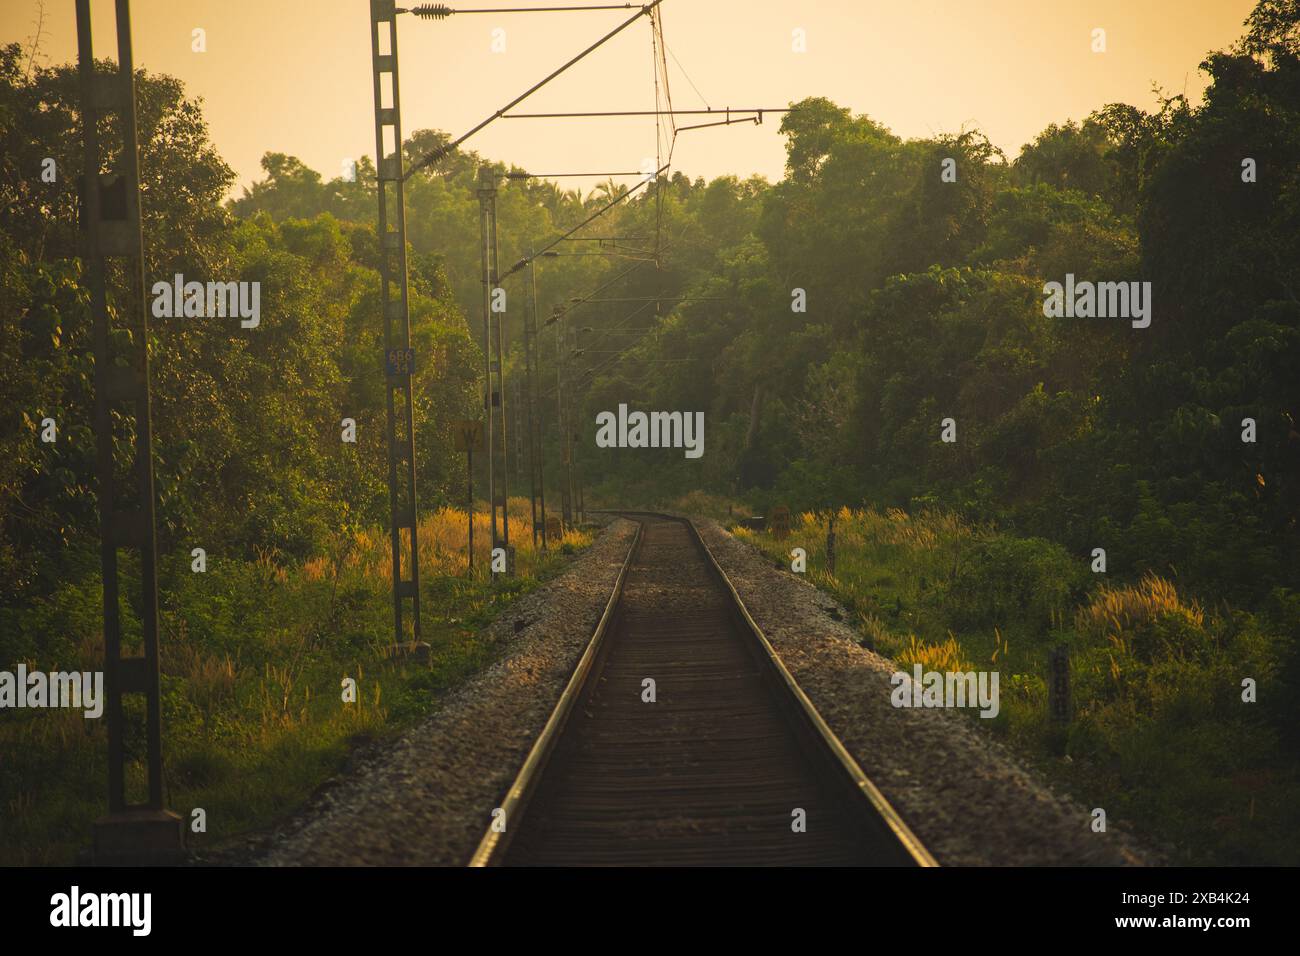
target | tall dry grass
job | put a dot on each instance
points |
(1115, 610)
(444, 546)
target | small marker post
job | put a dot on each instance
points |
(830, 543)
(469, 435)
(469, 508)
(780, 524)
(1058, 684)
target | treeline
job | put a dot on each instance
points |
(925, 303)
(247, 422)
(248, 454)
(921, 298)
(633, 266)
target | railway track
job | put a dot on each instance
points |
(717, 770)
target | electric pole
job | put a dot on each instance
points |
(575, 472)
(495, 397)
(110, 223)
(399, 359)
(566, 487)
(535, 463)
(516, 425)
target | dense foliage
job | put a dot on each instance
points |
(247, 422)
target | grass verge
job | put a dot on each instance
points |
(254, 655)
(1160, 737)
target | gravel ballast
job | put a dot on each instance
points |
(427, 799)
(965, 795)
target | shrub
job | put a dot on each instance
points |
(1004, 579)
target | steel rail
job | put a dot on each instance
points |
(794, 702)
(856, 776)
(493, 845)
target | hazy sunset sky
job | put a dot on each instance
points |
(294, 77)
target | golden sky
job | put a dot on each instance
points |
(294, 76)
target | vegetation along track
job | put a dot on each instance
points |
(714, 771)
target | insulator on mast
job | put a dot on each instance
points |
(432, 11)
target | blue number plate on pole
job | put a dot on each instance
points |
(399, 362)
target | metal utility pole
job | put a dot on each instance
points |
(469, 508)
(500, 392)
(568, 431)
(517, 425)
(399, 359)
(575, 472)
(582, 507)
(111, 227)
(566, 487)
(571, 434)
(535, 464)
(493, 378)
(486, 193)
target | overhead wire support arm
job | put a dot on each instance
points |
(756, 120)
(443, 150)
(440, 11)
(584, 114)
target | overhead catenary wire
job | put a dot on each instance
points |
(588, 373)
(581, 300)
(665, 298)
(443, 150)
(666, 132)
(661, 133)
(685, 74)
(524, 175)
(585, 375)
(610, 255)
(623, 196)
(628, 351)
